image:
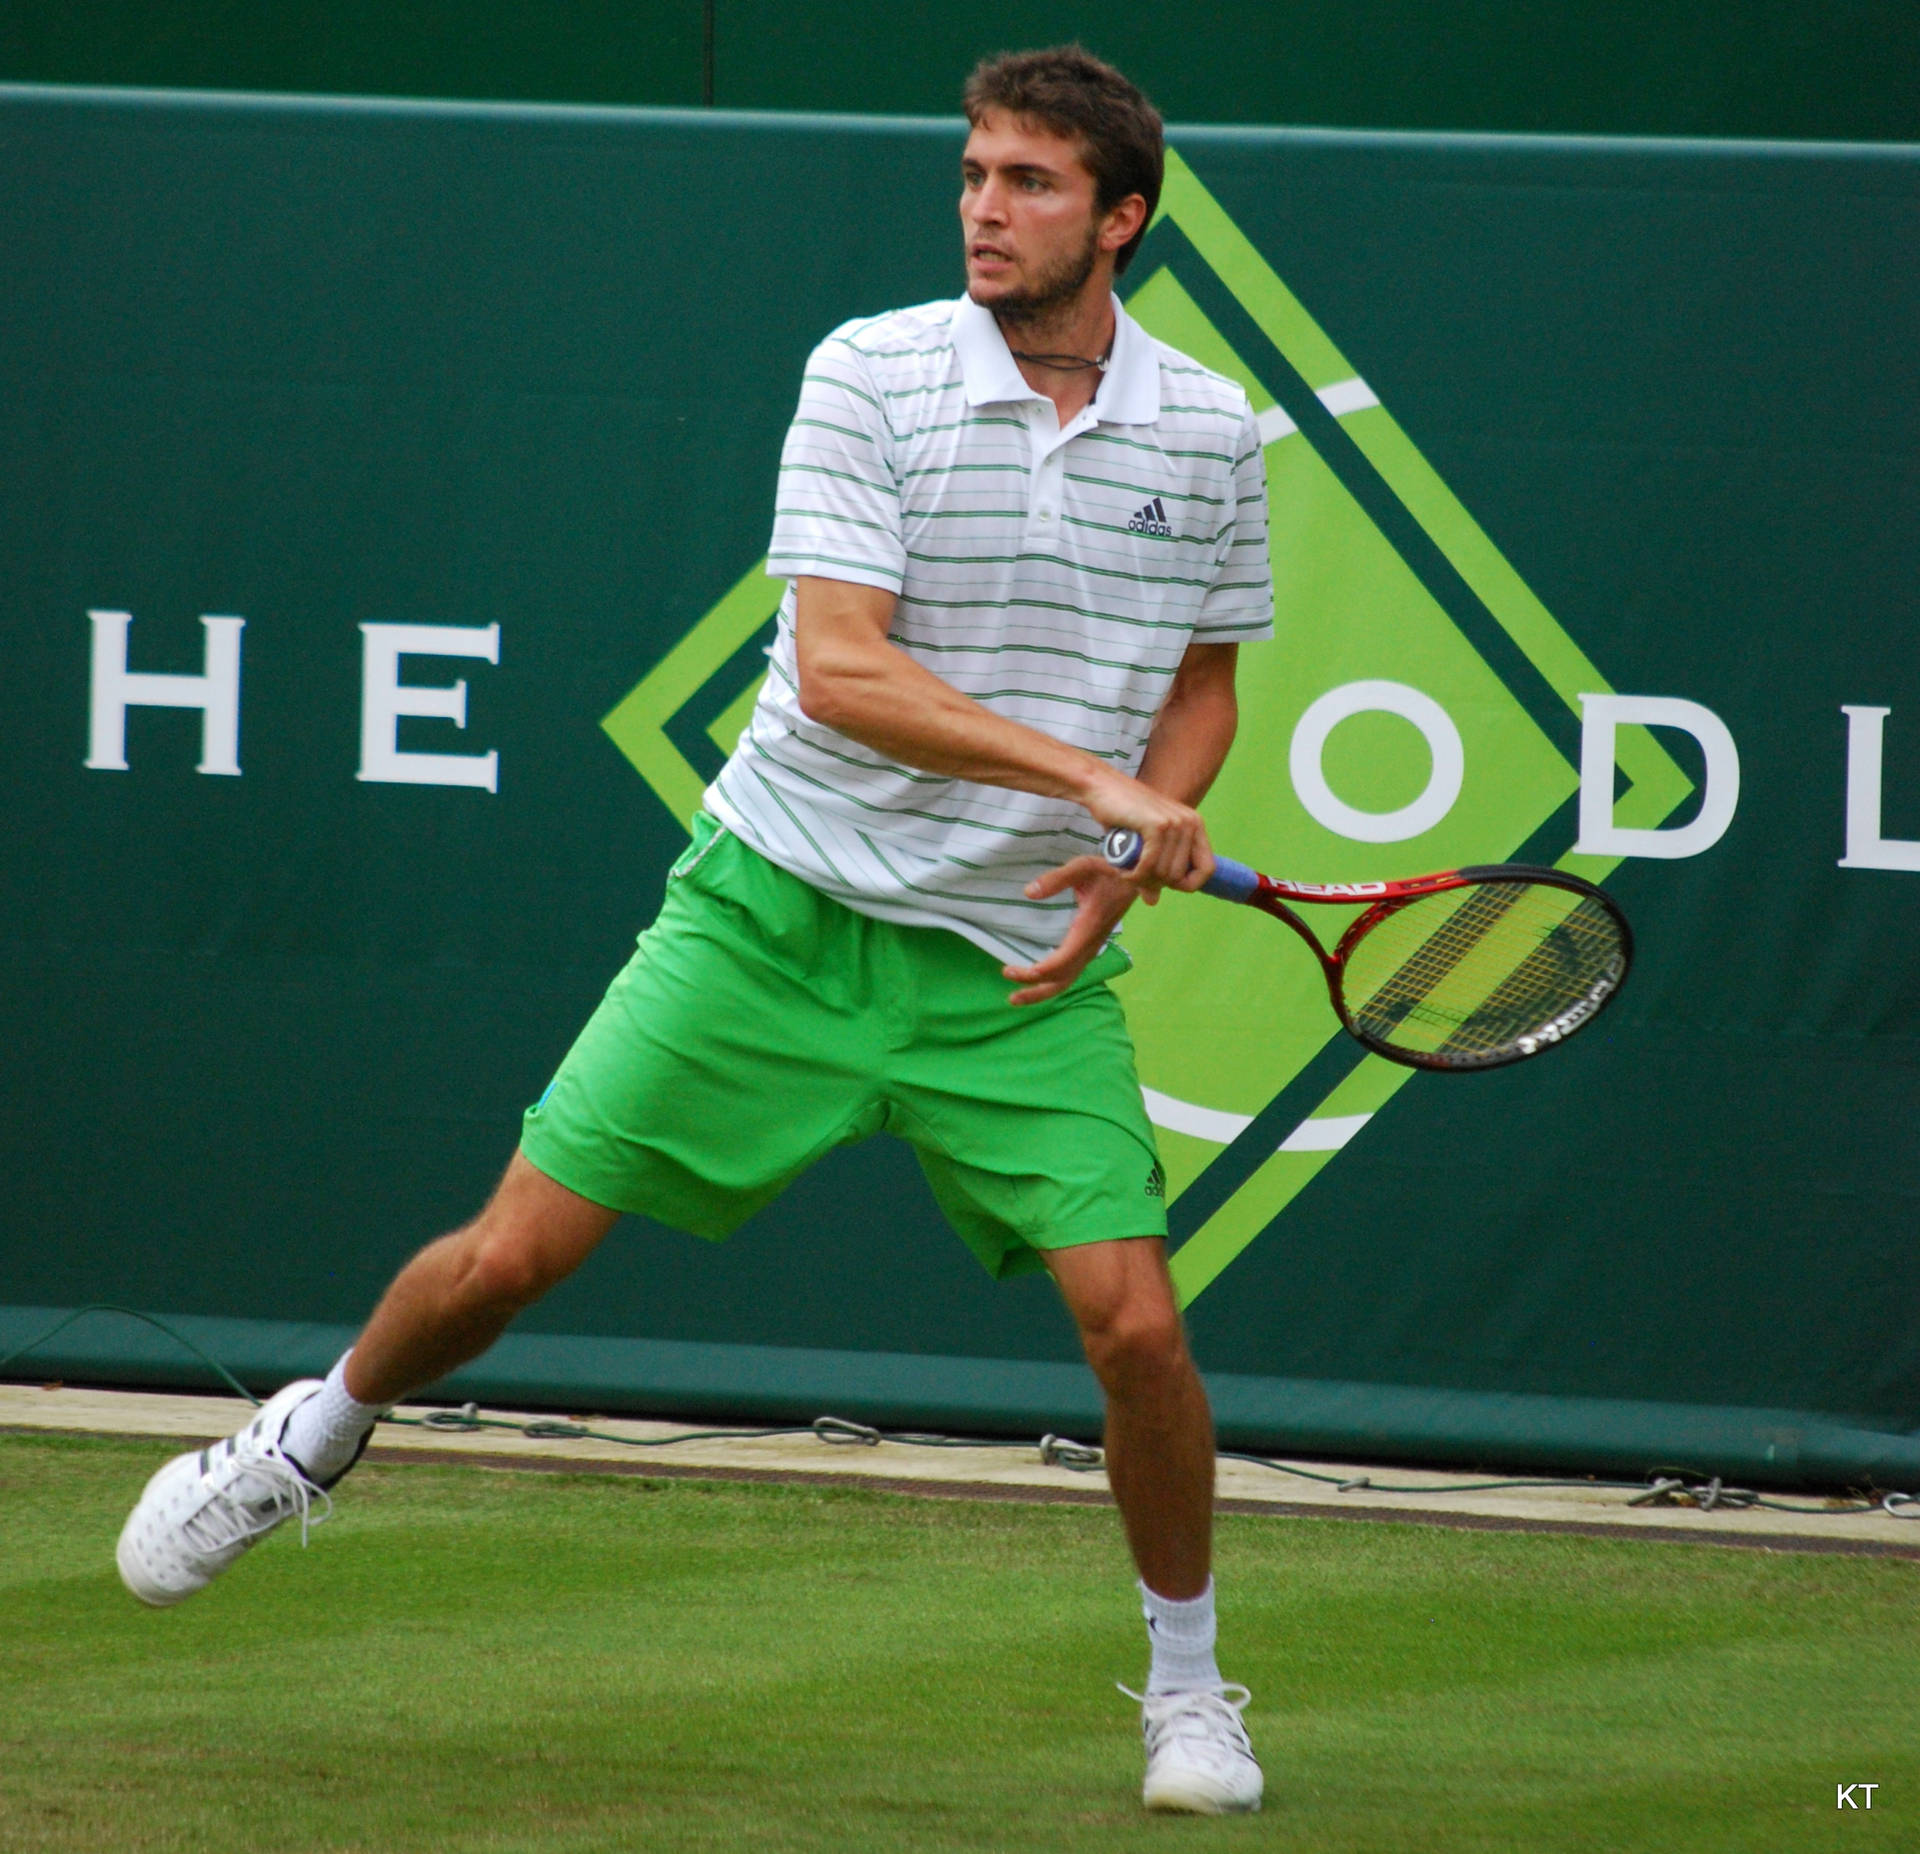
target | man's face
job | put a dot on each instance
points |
(1027, 212)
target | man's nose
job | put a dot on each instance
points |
(988, 204)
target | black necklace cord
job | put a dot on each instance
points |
(1064, 363)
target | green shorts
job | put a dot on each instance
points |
(761, 1023)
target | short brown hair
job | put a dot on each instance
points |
(1070, 91)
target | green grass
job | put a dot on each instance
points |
(475, 1660)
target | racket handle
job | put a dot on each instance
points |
(1230, 881)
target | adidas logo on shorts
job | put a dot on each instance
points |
(1151, 518)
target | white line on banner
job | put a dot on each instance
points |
(1342, 397)
(1202, 1122)
(1328, 1134)
(1273, 425)
(1345, 396)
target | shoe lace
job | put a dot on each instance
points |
(255, 1488)
(1203, 1717)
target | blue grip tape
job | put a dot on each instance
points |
(1230, 881)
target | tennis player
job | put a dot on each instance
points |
(1023, 542)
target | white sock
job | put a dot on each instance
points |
(1181, 1635)
(323, 1434)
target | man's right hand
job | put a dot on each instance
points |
(1174, 851)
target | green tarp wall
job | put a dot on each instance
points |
(1844, 70)
(1546, 418)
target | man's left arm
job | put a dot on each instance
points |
(1185, 752)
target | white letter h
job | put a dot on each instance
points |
(216, 693)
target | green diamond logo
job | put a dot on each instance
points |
(1380, 575)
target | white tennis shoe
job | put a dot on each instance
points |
(202, 1510)
(1199, 1761)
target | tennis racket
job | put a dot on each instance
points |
(1468, 969)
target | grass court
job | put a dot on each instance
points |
(528, 1663)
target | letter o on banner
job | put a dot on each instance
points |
(1392, 698)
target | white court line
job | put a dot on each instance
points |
(1328, 1134)
(1345, 396)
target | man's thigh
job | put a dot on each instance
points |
(1029, 1122)
(722, 1061)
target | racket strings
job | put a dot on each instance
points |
(1565, 967)
(1395, 978)
(1464, 975)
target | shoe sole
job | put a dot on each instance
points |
(130, 1574)
(127, 1558)
(1196, 1802)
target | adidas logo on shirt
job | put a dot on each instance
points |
(1151, 518)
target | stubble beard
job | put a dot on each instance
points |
(1050, 292)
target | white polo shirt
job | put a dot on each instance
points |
(1055, 575)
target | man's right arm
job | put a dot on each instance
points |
(854, 680)
(838, 537)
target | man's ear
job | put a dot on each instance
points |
(1122, 222)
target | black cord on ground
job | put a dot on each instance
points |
(1666, 1488)
(132, 1313)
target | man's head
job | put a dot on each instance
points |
(1060, 178)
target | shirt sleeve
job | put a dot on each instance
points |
(837, 509)
(1238, 606)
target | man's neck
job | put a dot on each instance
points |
(1080, 330)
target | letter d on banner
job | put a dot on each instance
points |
(1600, 717)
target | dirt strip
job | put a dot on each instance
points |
(983, 1470)
(1088, 1496)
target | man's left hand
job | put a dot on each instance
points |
(1103, 895)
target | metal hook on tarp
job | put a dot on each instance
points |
(837, 1429)
(1667, 1490)
(1064, 1452)
(466, 1417)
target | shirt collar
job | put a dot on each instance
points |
(1129, 389)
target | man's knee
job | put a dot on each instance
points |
(529, 1238)
(502, 1267)
(1123, 1303)
(1139, 1341)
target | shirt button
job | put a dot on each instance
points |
(1046, 514)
